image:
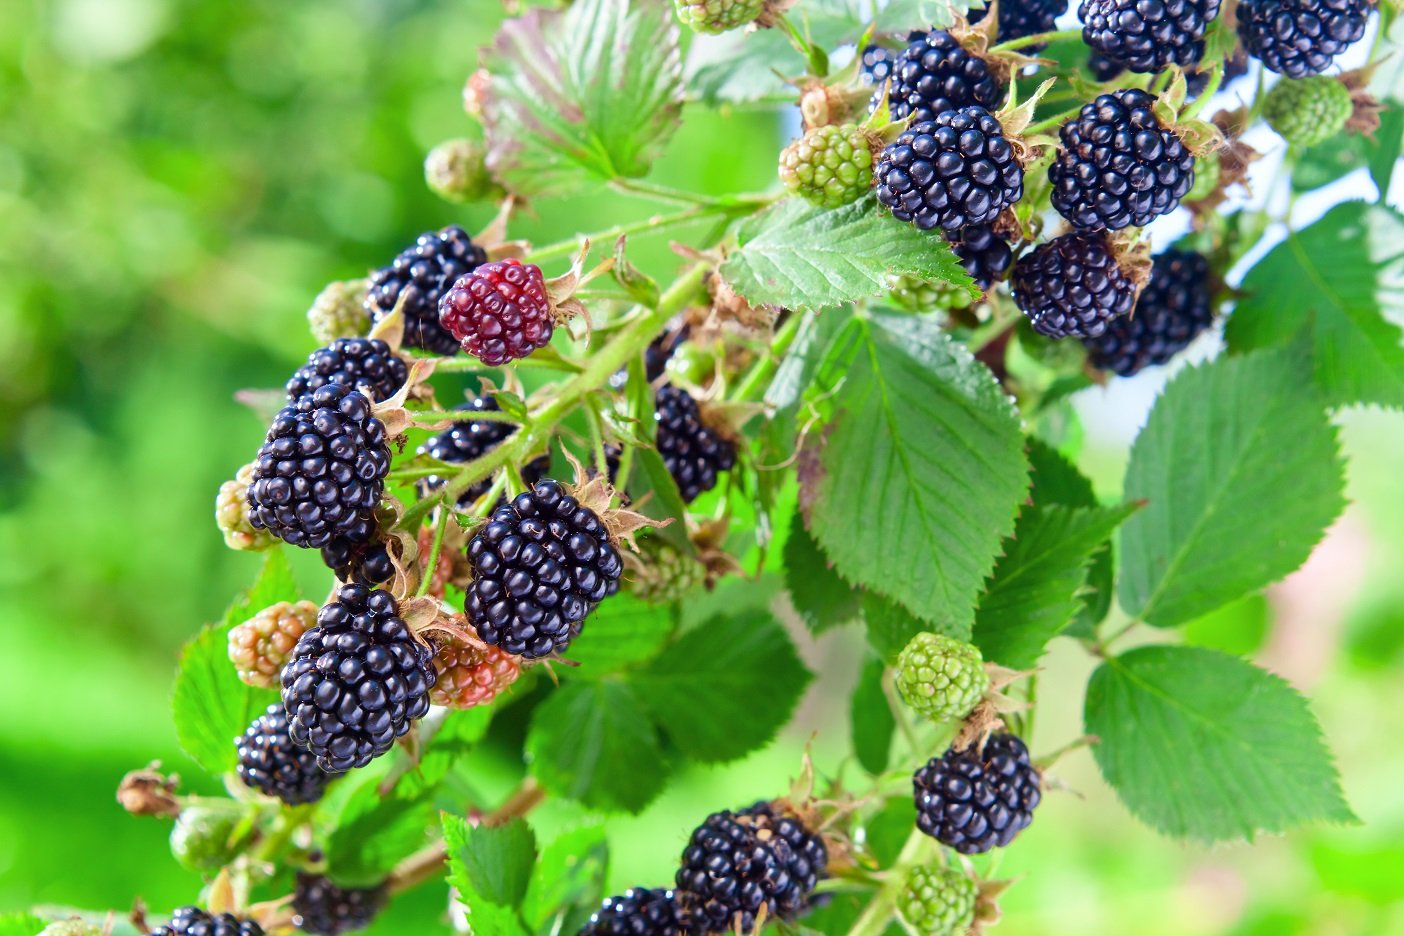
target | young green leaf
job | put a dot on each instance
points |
(871, 720)
(568, 880)
(485, 917)
(373, 831)
(822, 599)
(1202, 745)
(1240, 471)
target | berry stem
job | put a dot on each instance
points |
(1048, 123)
(758, 379)
(1037, 38)
(426, 576)
(899, 713)
(878, 913)
(421, 417)
(663, 193)
(652, 224)
(1215, 77)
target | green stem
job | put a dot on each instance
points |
(1215, 78)
(1048, 123)
(432, 562)
(438, 416)
(764, 369)
(648, 225)
(899, 714)
(1043, 37)
(877, 914)
(662, 193)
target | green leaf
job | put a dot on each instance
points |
(741, 66)
(594, 742)
(806, 258)
(922, 472)
(592, 91)
(822, 599)
(1057, 481)
(725, 688)
(21, 924)
(1342, 280)
(891, 626)
(655, 494)
(1033, 593)
(622, 632)
(373, 831)
(274, 583)
(1239, 628)
(498, 859)
(1202, 745)
(569, 877)
(872, 720)
(898, 16)
(1240, 471)
(485, 918)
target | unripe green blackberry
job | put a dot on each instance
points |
(73, 927)
(718, 16)
(1307, 111)
(938, 901)
(1207, 172)
(260, 646)
(232, 514)
(941, 677)
(456, 171)
(339, 311)
(665, 573)
(830, 166)
(918, 295)
(200, 837)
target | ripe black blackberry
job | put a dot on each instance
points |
(729, 871)
(356, 681)
(271, 762)
(876, 65)
(323, 909)
(1104, 68)
(1020, 18)
(639, 911)
(1071, 287)
(1171, 311)
(358, 555)
(809, 856)
(1146, 37)
(692, 452)
(935, 73)
(952, 172)
(540, 565)
(656, 356)
(473, 438)
(428, 269)
(192, 921)
(1297, 38)
(364, 364)
(977, 799)
(321, 468)
(1117, 166)
(984, 254)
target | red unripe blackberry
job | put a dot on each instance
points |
(540, 565)
(1171, 311)
(935, 73)
(323, 909)
(1020, 18)
(500, 312)
(356, 681)
(364, 364)
(425, 271)
(192, 921)
(272, 763)
(468, 676)
(473, 438)
(977, 799)
(260, 646)
(1071, 287)
(639, 911)
(1297, 38)
(321, 468)
(1147, 35)
(692, 452)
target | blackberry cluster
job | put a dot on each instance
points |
(1146, 37)
(951, 172)
(364, 364)
(470, 439)
(876, 65)
(935, 73)
(1297, 38)
(356, 681)
(427, 269)
(639, 911)
(975, 800)
(984, 254)
(192, 921)
(321, 468)
(271, 762)
(1172, 310)
(541, 564)
(499, 312)
(1071, 287)
(323, 909)
(1020, 18)
(692, 452)
(1117, 166)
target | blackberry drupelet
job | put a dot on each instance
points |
(1020, 18)
(809, 856)
(541, 564)
(321, 468)
(364, 364)
(356, 681)
(473, 438)
(935, 73)
(729, 872)
(1071, 287)
(639, 911)
(500, 312)
(1171, 312)
(693, 453)
(192, 921)
(1297, 38)
(952, 172)
(323, 909)
(1117, 166)
(1147, 36)
(428, 268)
(272, 763)
(975, 800)
(876, 65)
(985, 255)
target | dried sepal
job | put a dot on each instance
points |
(1132, 251)
(391, 328)
(593, 490)
(1365, 108)
(1016, 116)
(770, 16)
(391, 411)
(987, 912)
(148, 792)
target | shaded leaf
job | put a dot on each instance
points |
(822, 599)
(569, 876)
(871, 718)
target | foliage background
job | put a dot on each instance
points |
(179, 179)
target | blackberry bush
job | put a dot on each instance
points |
(979, 798)
(420, 275)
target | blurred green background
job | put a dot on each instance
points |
(178, 179)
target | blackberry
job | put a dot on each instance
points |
(321, 467)
(975, 800)
(260, 646)
(940, 677)
(1020, 18)
(665, 574)
(471, 439)
(356, 681)
(1117, 166)
(1172, 310)
(364, 364)
(1103, 67)
(985, 255)
(205, 838)
(952, 172)
(829, 166)
(500, 312)
(1147, 35)
(876, 65)
(323, 909)
(935, 73)
(192, 921)
(809, 856)
(938, 901)
(1071, 286)
(427, 269)
(692, 452)
(717, 16)
(359, 563)
(467, 676)
(541, 564)
(1297, 38)
(1308, 111)
(639, 911)
(729, 871)
(272, 763)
